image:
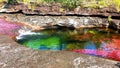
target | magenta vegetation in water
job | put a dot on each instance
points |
(8, 28)
(95, 41)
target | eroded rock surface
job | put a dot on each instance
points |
(13, 55)
(55, 9)
(49, 21)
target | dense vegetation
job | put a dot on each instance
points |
(71, 4)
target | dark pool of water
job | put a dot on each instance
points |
(92, 41)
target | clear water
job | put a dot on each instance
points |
(93, 41)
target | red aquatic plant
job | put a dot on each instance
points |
(115, 54)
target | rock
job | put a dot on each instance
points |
(114, 24)
(54, 9)
(13, 55)
(118, 64)
(69, 21)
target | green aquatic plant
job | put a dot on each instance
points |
(49, 43)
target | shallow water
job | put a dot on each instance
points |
(93, 41)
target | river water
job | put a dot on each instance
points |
(99, 42)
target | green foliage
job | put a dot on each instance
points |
(117, 4)
(70, 4)
(93, 32)
(109, 18)
(96, 4)
(49, 1)
(12, 1)
(102, 4)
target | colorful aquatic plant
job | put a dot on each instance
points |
(109, 50)
(49, 43)
(8, 28)
(97, 44)
(113, 55)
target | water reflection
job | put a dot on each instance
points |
(98, 42)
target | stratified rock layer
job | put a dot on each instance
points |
(49, 21)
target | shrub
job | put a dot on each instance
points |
(117, 4)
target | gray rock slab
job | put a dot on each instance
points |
(68, 21)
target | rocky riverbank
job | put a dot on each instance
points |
(14, 55)
(51, 14)
(50, 21)
(37, 22)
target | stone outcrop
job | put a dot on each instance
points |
(51, 21)
(82, 17)
(115, 24)
(55, 10)
(13, 55)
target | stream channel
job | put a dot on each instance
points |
(101, 42)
